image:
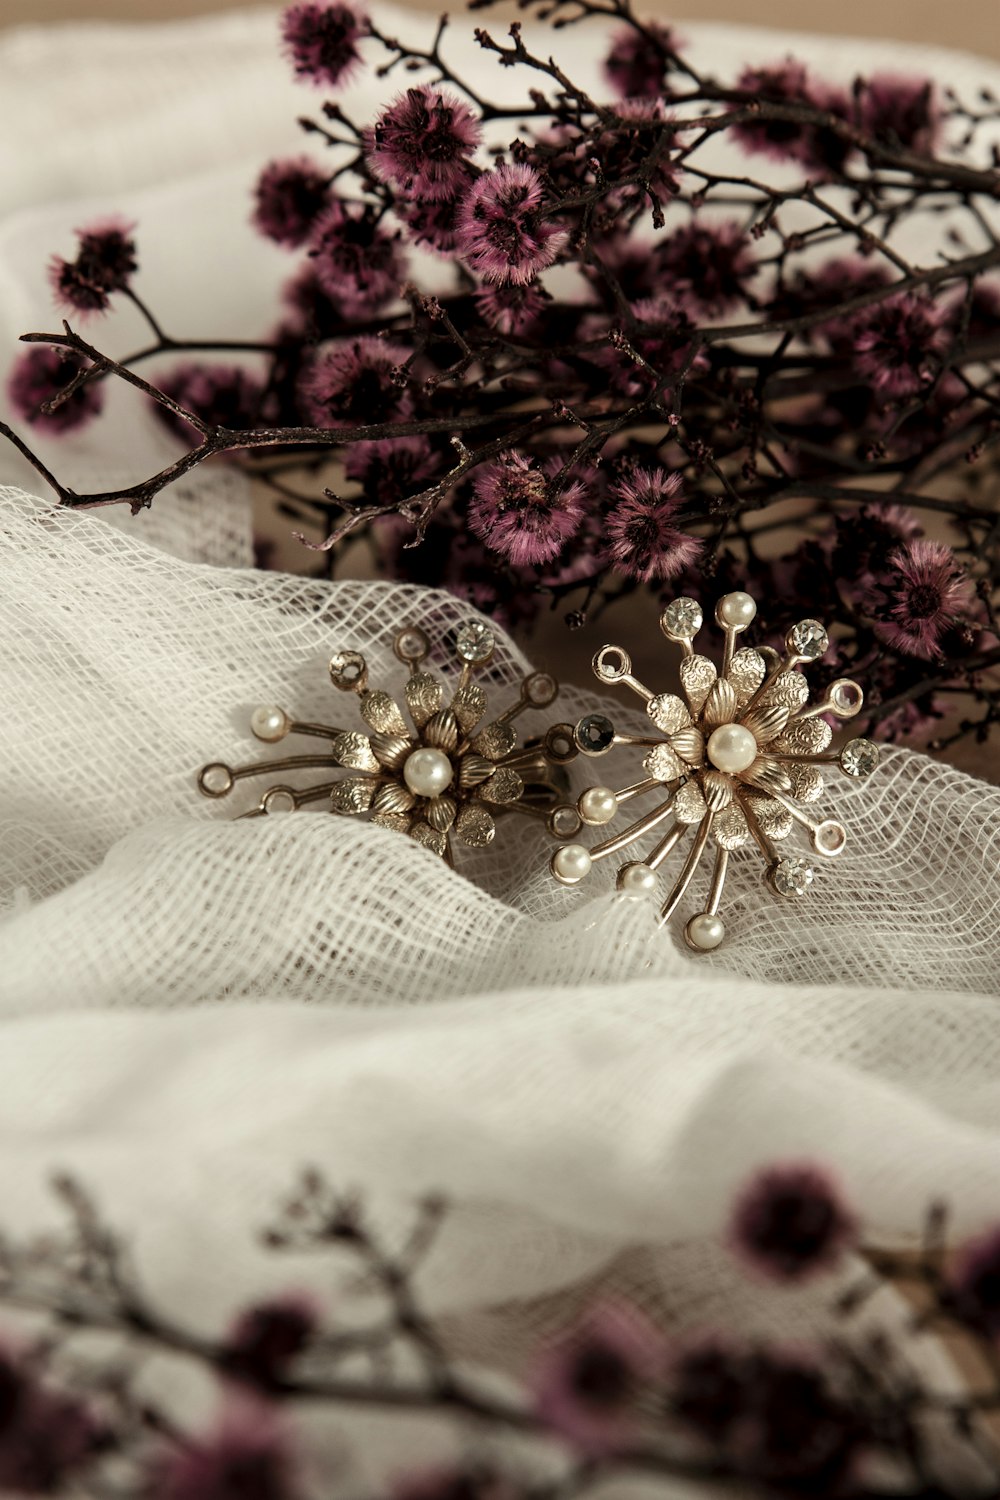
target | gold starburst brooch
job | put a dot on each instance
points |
(443, 776)
(739, 760)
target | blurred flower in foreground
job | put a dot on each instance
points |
(790, 1223)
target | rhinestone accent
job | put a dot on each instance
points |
(540, 689)
(807, 640)
(859, 758)
(594, 734)
(475, 643)
(565, 821)
(792, 877)
(412, 645)
(681, 620)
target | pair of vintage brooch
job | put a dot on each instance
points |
(738, 759)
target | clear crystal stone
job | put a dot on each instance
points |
(279, 800)
(807, 640)
(792, 877)
(475, 642)
(540, 689)
(565, 822)
(681, 620)
(594, 734)
(216, 780)
(859, 758)
(412, 645)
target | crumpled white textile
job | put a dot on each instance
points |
(192, 1009)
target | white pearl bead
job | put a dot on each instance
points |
(705, 932)
(598, 804)
(637, 879)
(268, 722)
(427, 772)
(736, 610)
(571, 863)
(731, 748)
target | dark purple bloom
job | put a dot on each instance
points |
(522, 511)
(644, 539)
(793, 1428)
(45, 1436)
(322, 40)
(38, 375)
(224, 395)
(588, 1382)
(246, 1457)
(512, 309)
(662, 336)
(709, 264)
(861, 542)
(899, 344)
(974, 1283)
(502, 233)
(924, 593)
(900, 111)
(455, 1484)
(835, 282)
(392, 469)
(105, 261)
(357, 263)
(637, 65)
(313, 316)
(72, 288)
(791, 1223)
(432, 223)
(289, 197)
(265, 1339)
(817, 147)
(351, 384)
(708, 1387)
(422, 142)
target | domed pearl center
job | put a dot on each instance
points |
(731, 748)
(427, 772)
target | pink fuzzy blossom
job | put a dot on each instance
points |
(322, 41)
(900, 111)
(513, 309)
(422, 142)
(925, 595)
(224, 395)
(820, 149)
(351, 384)
(357, 263)
(289, 197)
(522, 511)
(791, 1223)
(644, 539)
(502, 233)
(245, 1455)
(392, 469)
(662, 336)
(899, 344)
(105, 262)
(588, 1382)
(709, 264)
(638, 62)
(431, 224)
(38, 375)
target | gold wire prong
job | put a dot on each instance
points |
(690, 865)
(635, 831)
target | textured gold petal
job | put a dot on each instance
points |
(393, 797)
(351, 749)
(352, 795)
(697, 676)
(503, 786)
(469, 705)
(473, 769)
(431, 838)
(789, 688)
(424, 696)
(806, 782)
(689, 744)
(765, 721)
(746, 673)
(769, 775)
(380, 712)
(441, 730)
(495, 741)
(441, 812)
(775, 820)
(729, 828)
(397, 822)
(718, 790)
(668, 712)
(803, 737)
(475, 826)
(689, 804)
(391, 750)
(664, 764)
(720, 705)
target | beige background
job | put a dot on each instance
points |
(970, 24)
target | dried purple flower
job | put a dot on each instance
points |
(357, 263)
(313, 316)
(791, 1223)
(899, 344)
(422, 142)
(351, 383)
(974, 1283)
(900, 111)
(818, 148)
(105, 261)
(38, 375)
(513, 309)
(525, 511)
(709, 264)
(924, 593)
(322, 40)
(588, 1381)
(266, 1338)
(645, 542)
(433, 224)
(289, 197)
(71, 288)
(708, 1387)
(224, 395)
(392, 469)
(861, 542)
(45, 1436)
(637, 65)
(502, 233)
(793, 1429)
(246, 1457)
